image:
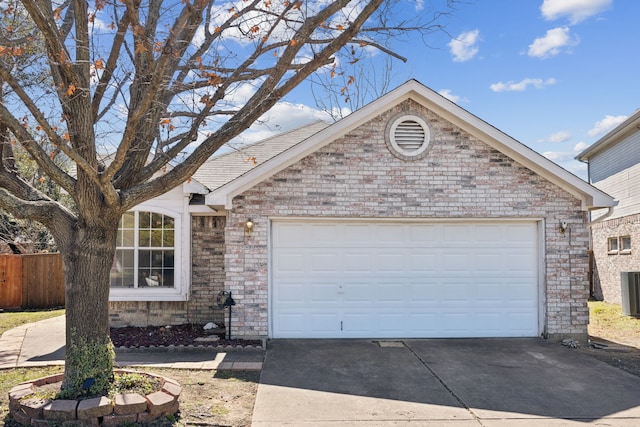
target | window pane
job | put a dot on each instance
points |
(169, 222)
(613, 244)
(156, 259)
(156, 238)
(167, 277)
(122, 269)
(168, 238)
(144, 259)
(128, 220)
(625, 243)
(127, 278)
(149, 278)
(127, 238)
(144, 238)
(127, 257)
(156, 220)
(144, 219)
(168, 259)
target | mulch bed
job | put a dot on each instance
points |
(180, 335)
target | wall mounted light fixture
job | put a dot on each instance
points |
(563, 227)
(248, 227)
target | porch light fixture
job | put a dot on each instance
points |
(248, 227)
(563, 227)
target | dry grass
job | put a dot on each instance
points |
(607, 322)
(12, 377)
(208, 397)
(11, 319)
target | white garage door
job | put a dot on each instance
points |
(357, 279)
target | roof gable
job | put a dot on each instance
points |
(590, 196)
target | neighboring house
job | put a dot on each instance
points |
(614, 167)
(409, 218)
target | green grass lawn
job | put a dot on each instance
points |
(11, 319)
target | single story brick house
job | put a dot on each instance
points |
(411, 217)
(614, 167)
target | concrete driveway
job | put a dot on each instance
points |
(470, 382)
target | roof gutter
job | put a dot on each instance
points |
(602, 218)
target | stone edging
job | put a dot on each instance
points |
(98, 411)
(187, 348)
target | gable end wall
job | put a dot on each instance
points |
(460, 177)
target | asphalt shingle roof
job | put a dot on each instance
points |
(222, 169)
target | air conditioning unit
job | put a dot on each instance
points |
(630, 292)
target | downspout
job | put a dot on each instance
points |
(590, 224)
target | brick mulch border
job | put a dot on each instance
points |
(27, 409)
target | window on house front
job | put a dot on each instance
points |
(613, 245)
(625, 244)
(145, 251)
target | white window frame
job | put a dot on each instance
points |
(182, 241)
(612, 245)
(621, 246)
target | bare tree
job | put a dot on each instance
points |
(149, 82)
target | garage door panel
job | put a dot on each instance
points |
(422, 293)
(290, 262)
(291, 293)
(455, 262)
(424, 235)
(422, 261)
(388, 261)
(323, 291)
(455, 233)
(359, 279)
(323, 322)
(490, 262)
(520, 261)
(291, 323)
(356, 292)
(358, 262)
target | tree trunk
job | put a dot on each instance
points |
(87, 258)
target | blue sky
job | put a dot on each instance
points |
(555, 75)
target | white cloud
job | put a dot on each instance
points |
(561, 136)
(450, 96)
(580, 147)
(567, 160)
(522, 85)
(419, 5)
(575, 10)
(282, 117)
(464, 47)
(552, 43)
(606, 124)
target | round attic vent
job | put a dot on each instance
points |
(409, 136)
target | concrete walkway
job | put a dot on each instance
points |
(43, 343)
(470, 382)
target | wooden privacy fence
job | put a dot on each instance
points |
(31, 281)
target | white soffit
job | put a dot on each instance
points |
(591, 197)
